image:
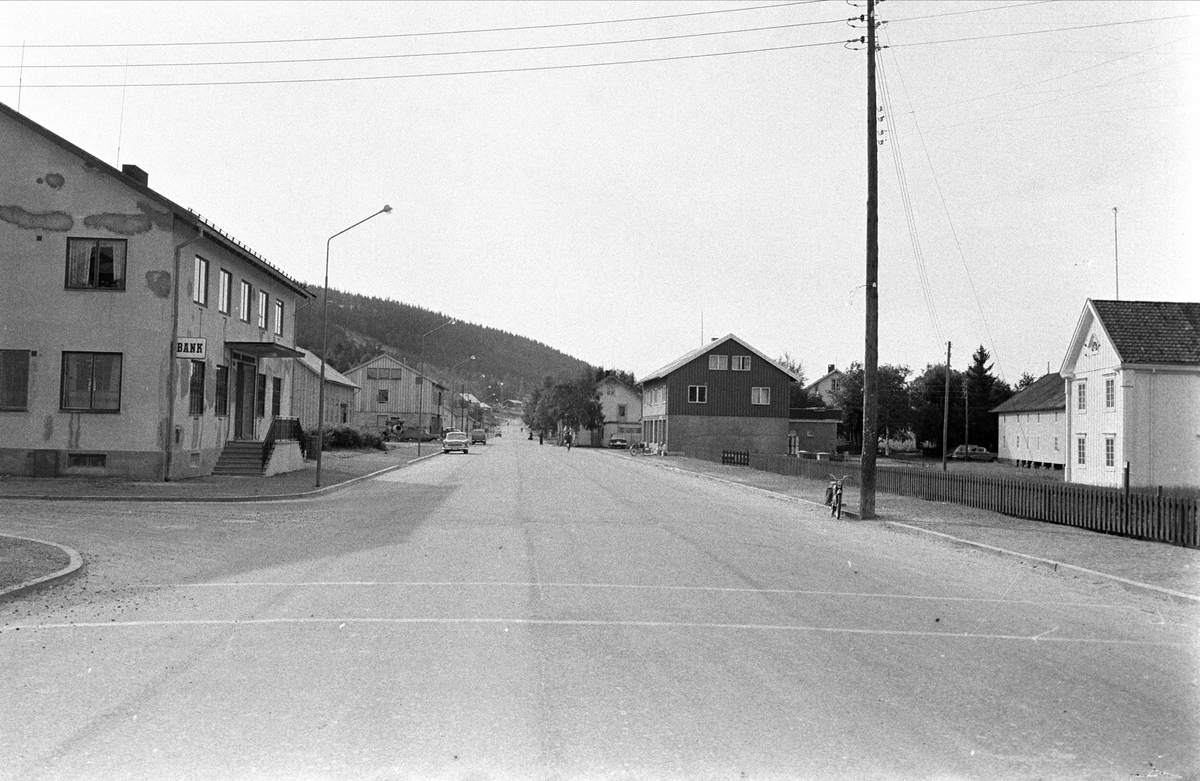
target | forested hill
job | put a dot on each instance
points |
(361, 327)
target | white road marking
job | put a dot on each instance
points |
(615, 586)
(582, 623)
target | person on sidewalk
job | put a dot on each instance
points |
(541, 437)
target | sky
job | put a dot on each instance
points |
(625, 181)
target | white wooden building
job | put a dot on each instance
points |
(1033, 425)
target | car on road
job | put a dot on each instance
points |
(618, 442)
(455, 440)
(972, 453)
(414, 435)
(478, 435)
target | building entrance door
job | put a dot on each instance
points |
(243, 401)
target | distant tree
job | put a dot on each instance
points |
(792, 364)
(1026, 380)
(895, 414)
(927, 392)
(983, 393)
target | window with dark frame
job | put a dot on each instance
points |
(263, 301)
(196, 389)
(14, 379)
(200, 282)
(91, 382)
(244, 311)
(221, 399)
(276, 395)
(224, 292)
(96, 264)
(260, 397)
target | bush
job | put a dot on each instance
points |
(348, 438)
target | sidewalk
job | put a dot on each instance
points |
(1155, 568)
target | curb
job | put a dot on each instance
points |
(217, 499)
(1125, 583)
(73, 568)
(1055, 566)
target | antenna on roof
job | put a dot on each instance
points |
(1116, 269)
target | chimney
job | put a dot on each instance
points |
(136, 174)
(831, 369)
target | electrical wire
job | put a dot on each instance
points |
(970, 11)
(1044, 32)
(412, 35)
(361, 58)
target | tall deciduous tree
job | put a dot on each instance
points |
(895, 409)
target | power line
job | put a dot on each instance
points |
(478, 72)
(970, 11)
(410, 35)
(656, 39)
(1043, 32)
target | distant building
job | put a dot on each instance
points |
(390, 390)
(621, 406)
(827, 387)
(812, 430)
(1033, 425)
(306, 393)
(137, 339)
(725, 395)
(1132, 387)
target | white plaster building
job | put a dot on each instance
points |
(621, 406)
(1132, 386)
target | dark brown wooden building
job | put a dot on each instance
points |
(725, 395)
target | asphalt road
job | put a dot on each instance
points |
(528, 612)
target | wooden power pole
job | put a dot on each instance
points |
(870, 430)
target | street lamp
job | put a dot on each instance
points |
(462, 399)
(422, 380)
(325, 341)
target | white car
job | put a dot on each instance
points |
(455, 440)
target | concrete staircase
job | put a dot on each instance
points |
(240, 458)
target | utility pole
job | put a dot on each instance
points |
(966, 414)
(1116, 267)
(870, 440)
(946, 411)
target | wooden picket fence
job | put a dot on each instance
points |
(1144, 516)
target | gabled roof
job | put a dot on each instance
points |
(612, 379)
(1048, 394)
(181, 213)
(714, 344)
(313, 363)
(381, 358)
(815, 383)
(1152, 331)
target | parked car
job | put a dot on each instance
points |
(414, 435)
(455, 440)
(478, 435)
(972, 453)
(618, 442)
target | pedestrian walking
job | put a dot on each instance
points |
(541, 437)
(570, 441)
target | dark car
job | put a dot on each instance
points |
(618, 442)
(972, 453)
(479, 436)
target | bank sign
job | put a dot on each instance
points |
(191, 348)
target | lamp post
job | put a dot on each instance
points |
(462, 399)
(325, 340)
(421, 380)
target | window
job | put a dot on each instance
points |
(760, 396)
(96, 264)
(276, 395)
(1018, 441)
(381, 396)
(224, 291)
(200, 282)
(91, 382)
(260, 397)
(718, 363)
(196, 389)
(697, 394)
(14, 379)
(620, 410)
(263, 301)
(1110, 392)
(87, 460)
(244, 311)
(1110, 452)
(1056, 444)
(741, 363)
(1082, 396)
(221, 402)
(278, 317)
(1081, 450)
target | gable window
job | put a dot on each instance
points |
(760, 396)
(224, 291)
(741, 363)
(381, 396)
(200, 282)
(718, 363)
(196, 389)
(14, 379)
(221, 401)
(620, 410)
(1081, 450)
(1110, 452)
(91, 382)
(263, 301)
(96, 264)
(244, 310)
(697, 394)
(1110, 392)
(278, 317)
(1081, 396)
